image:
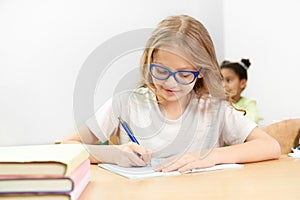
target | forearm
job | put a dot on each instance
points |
(92, 152)
(82, 135)
(100, 153)
(125, 155)
(251, 151)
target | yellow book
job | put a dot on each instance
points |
(36, 160)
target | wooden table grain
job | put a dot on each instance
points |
(274, 179)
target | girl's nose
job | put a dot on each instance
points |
(170, 82)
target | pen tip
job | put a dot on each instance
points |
(120, 119)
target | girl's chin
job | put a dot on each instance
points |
(173, 97)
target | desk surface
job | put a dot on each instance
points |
(275, 179)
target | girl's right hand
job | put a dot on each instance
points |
(132, 154)
(125, 155)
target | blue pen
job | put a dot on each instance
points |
(128, 131)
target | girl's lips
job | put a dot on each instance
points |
(171, 91)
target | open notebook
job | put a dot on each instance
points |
(148, 171)
(295, 154)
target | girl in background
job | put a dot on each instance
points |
(235, 81)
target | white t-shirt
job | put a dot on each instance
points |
(206, 123)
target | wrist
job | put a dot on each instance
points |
(215, 156)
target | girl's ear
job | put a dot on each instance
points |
(243, 83)
(200, 75)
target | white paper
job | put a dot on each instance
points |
(295, 154)
(147, 172)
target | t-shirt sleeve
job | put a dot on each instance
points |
(105, 121)
(251, 111)
(237, 127)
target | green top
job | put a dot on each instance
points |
(249, 105)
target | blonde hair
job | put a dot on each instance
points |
(187, 37)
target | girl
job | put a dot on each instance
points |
(235, 81)
(179, 110)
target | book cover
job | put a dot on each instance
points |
(74, 195)
(44, 184)
(52, 159)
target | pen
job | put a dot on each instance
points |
(128, 131)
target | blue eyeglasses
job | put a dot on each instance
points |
(183, 77)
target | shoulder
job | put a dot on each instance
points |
(142, 94)
(144, 91)
(208, 103)
(213, 100)
(247, 101)
(244, 103)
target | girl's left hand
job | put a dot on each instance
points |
(187, 161)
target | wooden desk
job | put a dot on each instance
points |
(276, 179)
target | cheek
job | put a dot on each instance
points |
(230, 87)
(156, 82)
(187, 88)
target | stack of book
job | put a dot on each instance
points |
(58, 171)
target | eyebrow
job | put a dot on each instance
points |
(183, 68)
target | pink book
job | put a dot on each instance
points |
(80, 173)
(81, 186)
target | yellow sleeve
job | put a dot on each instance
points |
(251, 111)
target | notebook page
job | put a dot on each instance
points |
(148, 171)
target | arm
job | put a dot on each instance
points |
(126, 155)
(83, 135)
(257, 147)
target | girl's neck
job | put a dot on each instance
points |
(174, 109)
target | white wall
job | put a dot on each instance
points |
(43, 45)
(268, 33)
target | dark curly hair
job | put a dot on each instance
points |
(240, 68)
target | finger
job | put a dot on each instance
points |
(139, 148)
(187, 167)
(194, 165)
(124, 162)
(147, 157)
(161, 166)
(179, 162)
(141, 151)
(173, 167)
(169, 161)
(136, 160)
